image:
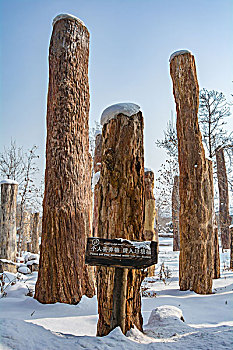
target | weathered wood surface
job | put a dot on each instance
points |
(196, 200)
(8, 246)
(175, 214)
(121, 211)
(224, 217)
(121, 253)
(63, 275)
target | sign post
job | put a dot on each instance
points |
(123, 255)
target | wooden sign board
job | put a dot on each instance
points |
(121, 253)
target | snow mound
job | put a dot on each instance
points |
(112, 112)
(96, 178)
(9, 182)
(67, 16)
(178, 53)
(166, 321)
(24, 270)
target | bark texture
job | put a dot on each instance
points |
(63, 275)
(35, 233)
(8, 221)
(196, 198)
(175, 214)
(223, 198)
(97, 168)
(121, 212)
(150, 213)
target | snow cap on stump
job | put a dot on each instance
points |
(9, 182)
(67, 16)
(178, 53)
(128, 109)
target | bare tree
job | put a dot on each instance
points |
(213, 109)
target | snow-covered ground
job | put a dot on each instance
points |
(29, 325)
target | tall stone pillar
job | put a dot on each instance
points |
(196, 200)
(121, 208)
(97, 169)
(35, 233)
(63, 275)
(223, 198)
(8, 249)
(150, 213)
(175, 214)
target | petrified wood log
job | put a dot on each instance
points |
(175, 214)
(97, 169)
(223, 198)
(196, 199)
(216, 251)
(63, 275)
(150, 213)
(9, 189)
(121, 208)
(35, 233)
(213, 253)
(25, 231)
(231, 254)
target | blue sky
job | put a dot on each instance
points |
(130, 45)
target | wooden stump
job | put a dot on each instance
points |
(196, 199)
(121, 210)
(223, 198)
(63, 275)
(150, 213)
(35, 233)
(9, 189)
(175, 214)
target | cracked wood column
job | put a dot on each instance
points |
(175, 214)
(121, 208)
(63, 275)
(97, 169)
(223, 198)
(150, 213)
(196, 200)
(35, 233)
(8, 250)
